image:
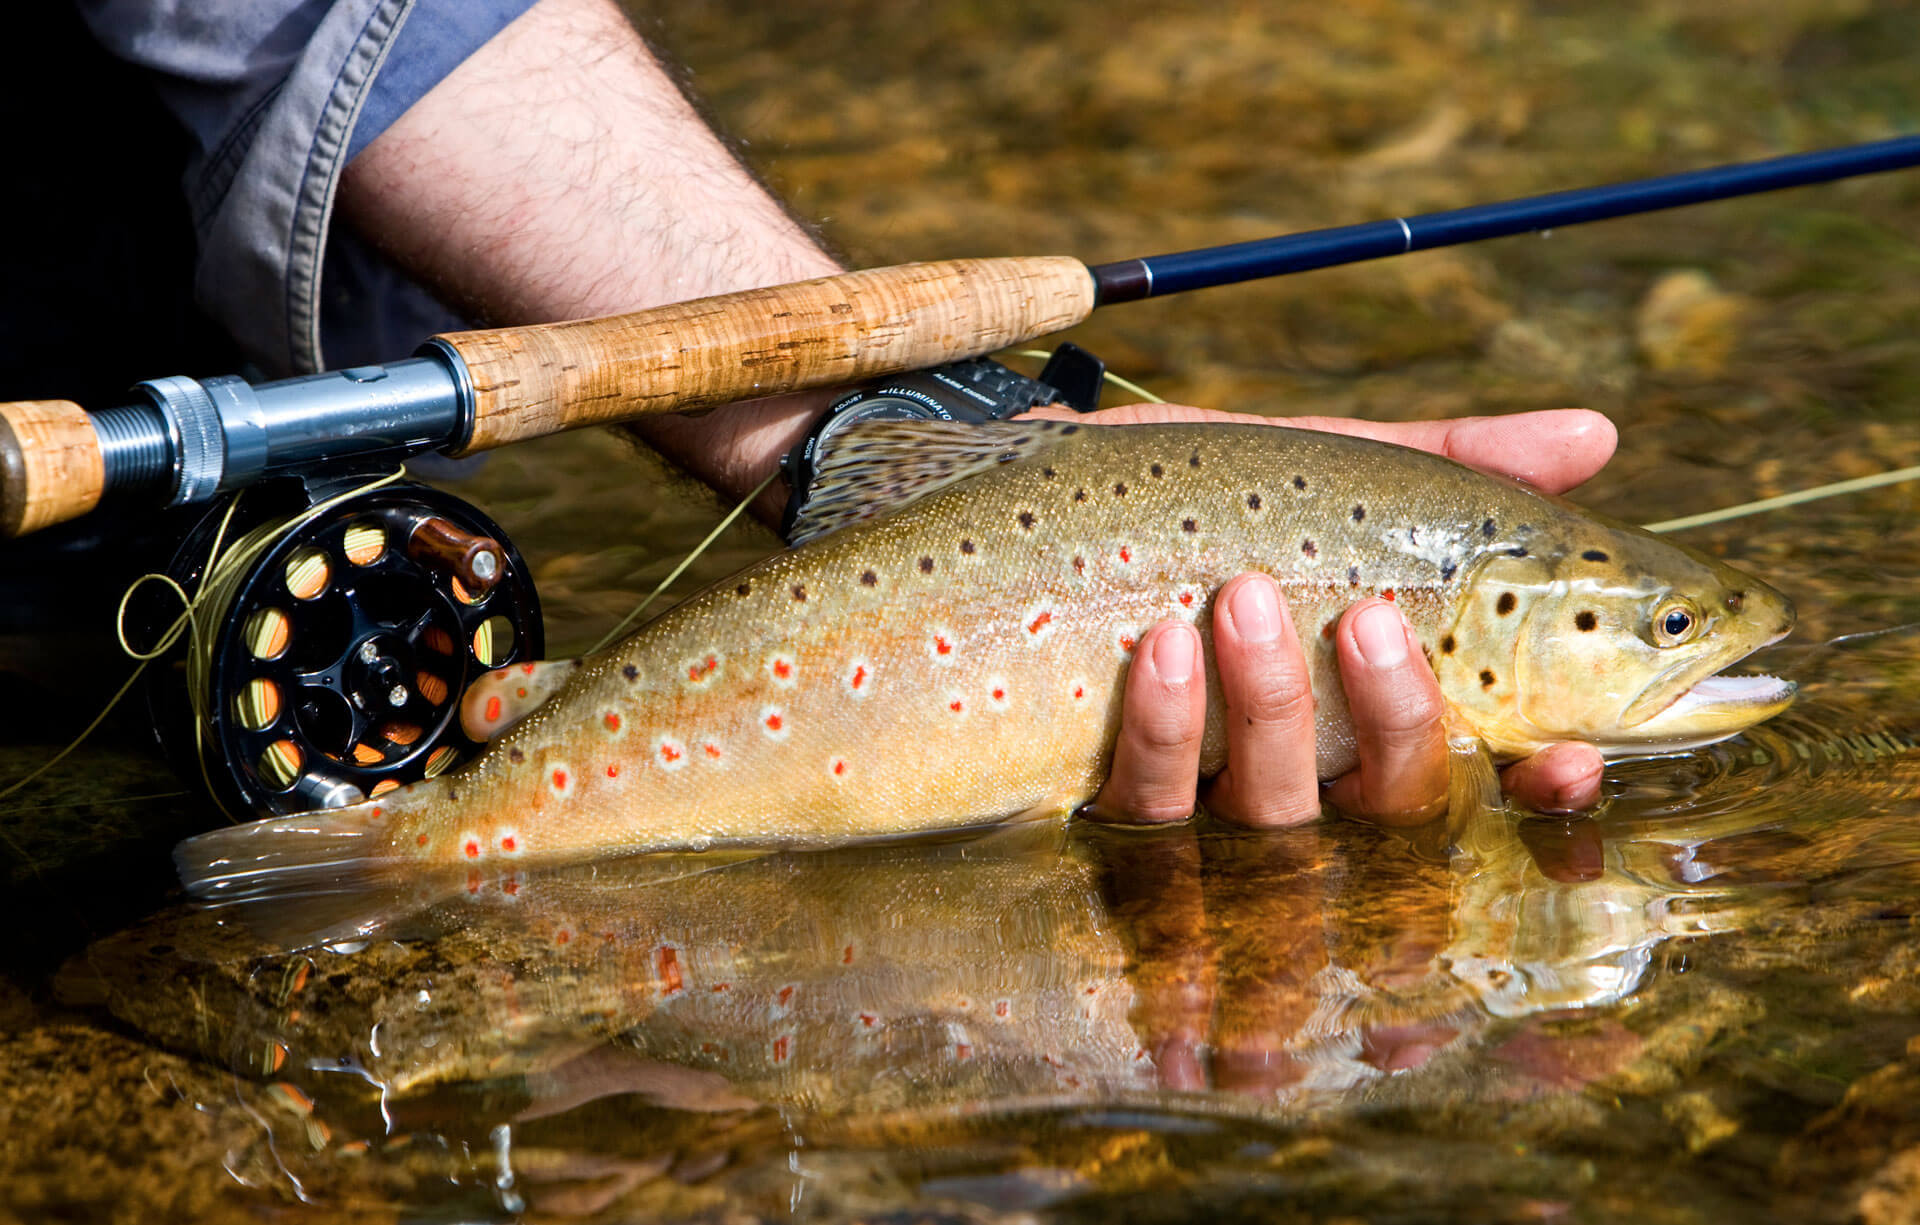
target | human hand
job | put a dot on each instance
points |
(1398, 713)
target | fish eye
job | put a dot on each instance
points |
(1673, 624)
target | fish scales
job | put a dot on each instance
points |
(962, 658)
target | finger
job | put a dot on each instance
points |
(1559, 778)
(1162, 719)
(1398, 720)
(1554, 449)
(1269, 779)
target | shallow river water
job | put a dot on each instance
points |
(1700, 1003)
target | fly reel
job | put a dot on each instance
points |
(334, 655)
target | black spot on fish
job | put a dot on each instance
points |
(452, 794)
(1007, 457)
(966, 546)
(1486, 529)
(1308, 547)
(1594, 555)
(1353, 576)
(1049, 473)
(1193, 461)
(1446, 645)
(1188, 525)
(1253, 501)
(1157, 470)
(630, 672)
(1079, 495)
(1735, 600)
(1299, 482)
(516, 756)
(1448, 569)
(1026, 519)
(1514, 551)
(743, 590)
(1069, 429)
(1586, 620)
(926, 565)
(1359, 512)
(1505, 603)
(800, 592)
(1119, 489)
(1487, 680)
(868, 578)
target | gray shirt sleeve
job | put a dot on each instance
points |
(277, 96)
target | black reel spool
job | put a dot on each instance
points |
(338, 664)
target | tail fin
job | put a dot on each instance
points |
(314, 878)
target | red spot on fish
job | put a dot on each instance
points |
(1186, 599)
(704, 668)
(1091, 990)
(773, 723)
(999, 695)
(713, 751)
(783, 995)
(563, 936)
(473, 880)
(493, 710)
(962, 1050)
(473, 848)
(942, 646)
(1002, 1008)
(375, 814)
(509, 843)
(839, 766)
(782, 669)
(527, 668)
(719, 987)
(1127, 643)
(670, 980)
(560, 779)
(859, 675)
(521, 691)
(956, 706)
(612, 721)
(613, 771)
(510, 886)
(869, 1020)
(422, 840)
(846, 958)
(1126, 554)
(1079, 565)
(1079, 691)
(669, 753)
(1387, 594)
(1040, 622)
(780, 1047)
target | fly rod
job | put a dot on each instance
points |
(186, 440)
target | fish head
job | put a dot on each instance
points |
(1599, 631)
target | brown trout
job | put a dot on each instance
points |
(959, 657)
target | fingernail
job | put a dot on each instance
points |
(1173, 653)
(1381, 636)
(1256, 612)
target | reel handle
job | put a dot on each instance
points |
(51, 465)
(530, 381)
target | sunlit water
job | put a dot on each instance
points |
(1695, 1004)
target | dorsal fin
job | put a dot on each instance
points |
(873, 467)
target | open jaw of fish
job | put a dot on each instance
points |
(948, 646)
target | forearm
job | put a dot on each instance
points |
(558, 173)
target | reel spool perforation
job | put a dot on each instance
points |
(337, 667)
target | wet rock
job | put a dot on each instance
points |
(1699, 1120)
(1688, 325)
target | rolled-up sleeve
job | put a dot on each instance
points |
(278, 95)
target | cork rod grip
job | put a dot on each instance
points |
(51, 468)
(530, 381)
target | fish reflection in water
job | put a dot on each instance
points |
(674, 1014)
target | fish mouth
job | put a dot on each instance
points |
(1711, 709)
